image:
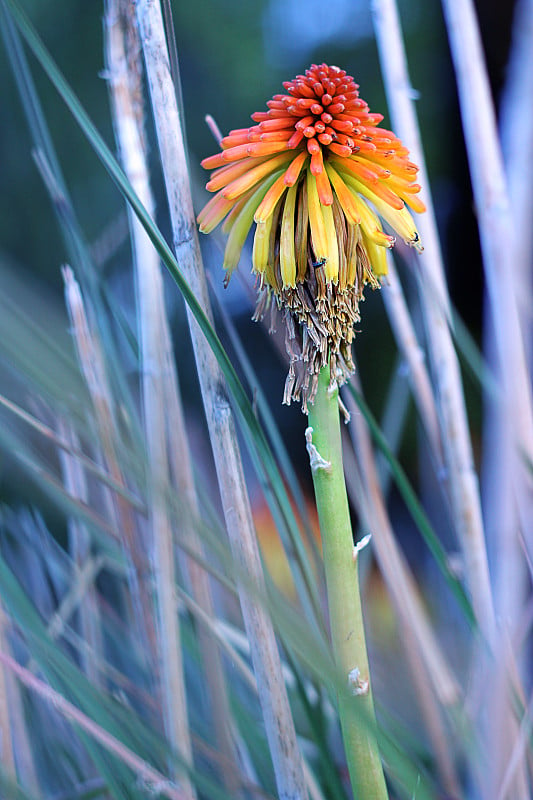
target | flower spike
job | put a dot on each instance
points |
(315, 174)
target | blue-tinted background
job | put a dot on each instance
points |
(233, 58)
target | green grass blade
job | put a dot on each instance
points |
(76, 247)
(472, 356)
(268, 470)
(112, 716)
(417, 512)
(10, 789)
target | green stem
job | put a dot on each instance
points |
(356, 708)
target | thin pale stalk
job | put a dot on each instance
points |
(522, 744)
(265, 656)
(393, 419)
(67, 447)
(14, 731)
(143, 770)
(435, 684)
(183, 480)
(446, 375)
(224, 635)
(495, 216)
(516, 133)
(79, 545)
(124, 70)
(75, 598)
(93, 369)
(498, 236)
(171, 429)
(356, 707)
(413, 355)
(7, 758)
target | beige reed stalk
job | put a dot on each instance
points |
(265, 656)
(7, 759)
(152, 779)
(92, 365)
(455, 437)
(124, 69)
(169, 447)
(516, 133)
(495, 215)
(498, 234)
(16, 752)
(413, 355)
(75, 482)
(181, 470)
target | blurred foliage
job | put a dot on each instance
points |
(233, 57)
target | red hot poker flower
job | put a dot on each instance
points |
(312, 173)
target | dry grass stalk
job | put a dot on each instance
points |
(455, 437)
(276, 711)
(169, 455)
(75, 599)
(516, 133)
(155, 781)
(124, 69)
(413, 355)
(79, 545)
(183, 481)
(66, 446)
(93, 369)
(498, 236)
(7, 758)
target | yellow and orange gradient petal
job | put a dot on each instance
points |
(318, 144)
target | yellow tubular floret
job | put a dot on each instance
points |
(341, 226)
(353, 237)
(377, 256)
(415, 202)
(238, 206)
(271, 198)
(344, 195)
(224, 175)
(371, 225)
(401, 220)
(213, 213)
(316, 220)
(331, 267)
(302, 224)
(253, 175)
(272, 272)
(261, 246)
(241, 226)
(287, 260)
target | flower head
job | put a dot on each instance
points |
(315, 174)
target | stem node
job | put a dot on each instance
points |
(358, 685)
(361, 544)
(315, 459)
